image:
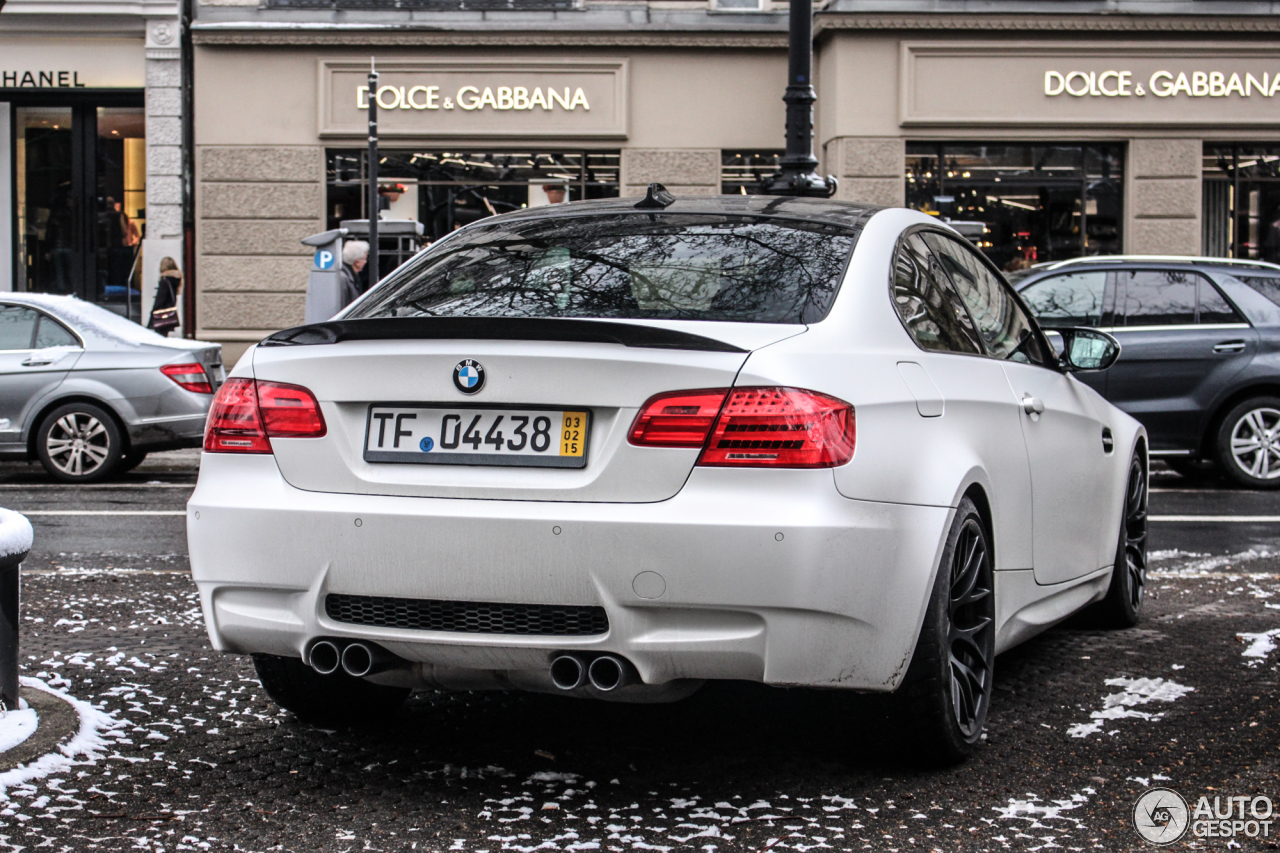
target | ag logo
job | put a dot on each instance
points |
(1161, 816)
(468, 376)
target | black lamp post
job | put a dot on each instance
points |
(372, 266)
(797, 173)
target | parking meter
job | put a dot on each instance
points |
(324, 290)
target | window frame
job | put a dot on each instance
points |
(41, 316)
(1203, 279)
(947, 283)
(1009, 289)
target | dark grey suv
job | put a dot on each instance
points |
(1199, 363)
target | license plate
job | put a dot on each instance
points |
(430, 435)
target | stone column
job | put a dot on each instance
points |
(164, 156)
(254, 203)
(871, 169)
(1163, 208)
(683, 171)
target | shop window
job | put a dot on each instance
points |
(742, 172)
(1022, 204)
(445, 190)
(80, 189)
(1241, 202)
(429, 5)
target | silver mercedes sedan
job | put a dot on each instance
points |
(90, 394)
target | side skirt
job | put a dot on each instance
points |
(1024, 608)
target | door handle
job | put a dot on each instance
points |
(1229, 347)
(1032, 405)
(33, 361)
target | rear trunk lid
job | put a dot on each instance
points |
(608, 374)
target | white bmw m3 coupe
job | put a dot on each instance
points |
(615, 449)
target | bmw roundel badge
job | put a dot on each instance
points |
(468, 376)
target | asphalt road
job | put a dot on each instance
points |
(190, 756)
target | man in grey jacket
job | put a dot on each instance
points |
(354, 256)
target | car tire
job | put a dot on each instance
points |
(131, 460)
(1122, 608)
(946, 693)
(79, 443)
(1249, 443)
(326, 699)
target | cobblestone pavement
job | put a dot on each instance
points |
(189, 755)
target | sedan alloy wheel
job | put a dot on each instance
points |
(79, 442)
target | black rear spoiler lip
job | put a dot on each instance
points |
(495, 329)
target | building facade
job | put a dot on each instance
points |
(1042, 130)
(91, 152)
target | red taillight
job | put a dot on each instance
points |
(245, 414)
(189, 376)
(678, 419)
(781, 428)
(289, 411)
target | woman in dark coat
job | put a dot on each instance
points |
(167, 290)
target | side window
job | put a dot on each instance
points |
(1006, 330)
(928, 307)
(1155, 298)
(1213, 307)
(1075, 299)
(17, 327)
(51, 333)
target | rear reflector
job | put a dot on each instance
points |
(246, 413)
(678, 419)
(190, 376)
(781, 428)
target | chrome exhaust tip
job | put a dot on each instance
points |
(325, 658)
(567, 672)
(608, 672)
(357, 660)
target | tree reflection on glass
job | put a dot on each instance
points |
(726, 268)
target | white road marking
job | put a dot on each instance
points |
(18, 486)
(1236, 519)
(103, 512)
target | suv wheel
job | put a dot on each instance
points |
(79, 443)
(1249, 443)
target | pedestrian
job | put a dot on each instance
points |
(354, 256)
(164, 311)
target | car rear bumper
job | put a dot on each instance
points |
(767, 576)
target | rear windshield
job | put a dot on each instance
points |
(631, 266)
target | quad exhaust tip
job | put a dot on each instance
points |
(325, 658)
(568, 672)
(608, 672)
(357, 660)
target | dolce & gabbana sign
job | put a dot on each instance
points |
(439, 98)
(1061, 84)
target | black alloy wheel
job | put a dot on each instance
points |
(1249, 443)
(947, 689)
(1122, 608)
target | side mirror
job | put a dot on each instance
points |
(1081, 349)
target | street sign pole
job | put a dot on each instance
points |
(797, 170)
(373, 174)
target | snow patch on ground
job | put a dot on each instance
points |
(1201, 563)
(1260, 645)
(17, 725)
(97, 730)
(1137, 691)
(15, 533)
(1035, 811)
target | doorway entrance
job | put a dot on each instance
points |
(79, 205)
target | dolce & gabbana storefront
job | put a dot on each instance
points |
(1039, 137)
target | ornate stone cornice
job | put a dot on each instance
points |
(827, 22)
(487, 38)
